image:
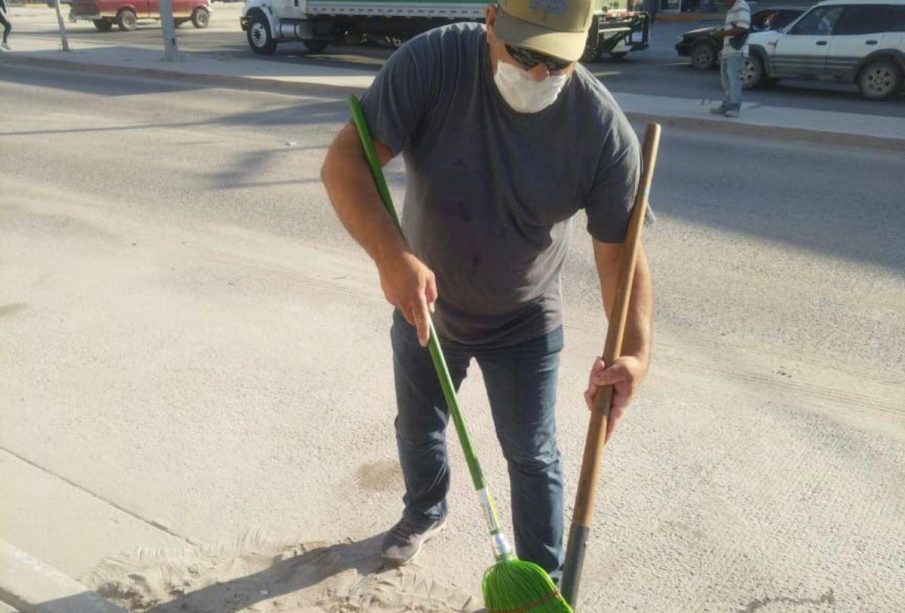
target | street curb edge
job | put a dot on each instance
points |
(29, 584)
(252, 83)
(728, 126)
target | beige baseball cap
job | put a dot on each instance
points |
(558, 28)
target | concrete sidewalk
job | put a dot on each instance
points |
(214, 70)
(29, 584)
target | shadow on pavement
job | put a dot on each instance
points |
(89, 83)
(289, 573)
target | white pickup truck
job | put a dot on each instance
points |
(319, 23)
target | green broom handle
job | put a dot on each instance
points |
(501, 547)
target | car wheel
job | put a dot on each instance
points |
(703, 56)
(316, 46)
(590, 55)
(880, 79)
(103, 25)
(259, 37)
(126, 20)
(753, 73)
(200, 18)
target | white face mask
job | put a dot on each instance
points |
(523, 93)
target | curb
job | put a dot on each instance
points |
(278, 86)
(229, 82)
(728, 126)
(28, 584)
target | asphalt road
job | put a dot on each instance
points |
(656, 71)
(190, 336)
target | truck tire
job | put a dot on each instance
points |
(201, 18)
(591, 54)
(316, 46)
(126, 20)
(880, 79)
(259, 36)
(103, 25)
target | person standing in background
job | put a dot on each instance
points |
(4, 21)
(735, 49)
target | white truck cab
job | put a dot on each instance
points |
(318, 23)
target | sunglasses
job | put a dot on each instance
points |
(530, 59)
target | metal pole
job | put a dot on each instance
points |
(62, 25)
(170, 50)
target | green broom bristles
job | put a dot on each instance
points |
(517, 586)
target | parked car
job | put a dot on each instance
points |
(853, 41)
(126, 13)
(704, 48)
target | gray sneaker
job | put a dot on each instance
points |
(718, 110)
(404, 540)
(731, 112)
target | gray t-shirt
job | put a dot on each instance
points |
(491, 192)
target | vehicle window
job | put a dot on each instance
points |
(896, 19)
(762, 19)
(818, 22)
(863, 19)
(783, 18)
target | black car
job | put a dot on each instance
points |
(704, 48)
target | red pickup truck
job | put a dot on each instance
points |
(126, 13)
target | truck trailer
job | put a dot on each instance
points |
(319, 23)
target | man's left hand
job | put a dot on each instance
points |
(625, 375)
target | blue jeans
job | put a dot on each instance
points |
(731, 74)
(521, 386)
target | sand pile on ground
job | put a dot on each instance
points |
(256, 574)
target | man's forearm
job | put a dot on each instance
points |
(355, 199)
(637, 338)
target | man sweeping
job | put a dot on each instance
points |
(505, 138)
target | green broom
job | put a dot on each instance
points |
(511, 585)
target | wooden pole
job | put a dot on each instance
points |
(600, 414)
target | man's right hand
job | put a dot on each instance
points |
(409, 285)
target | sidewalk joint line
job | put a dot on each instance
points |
(78, 486)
